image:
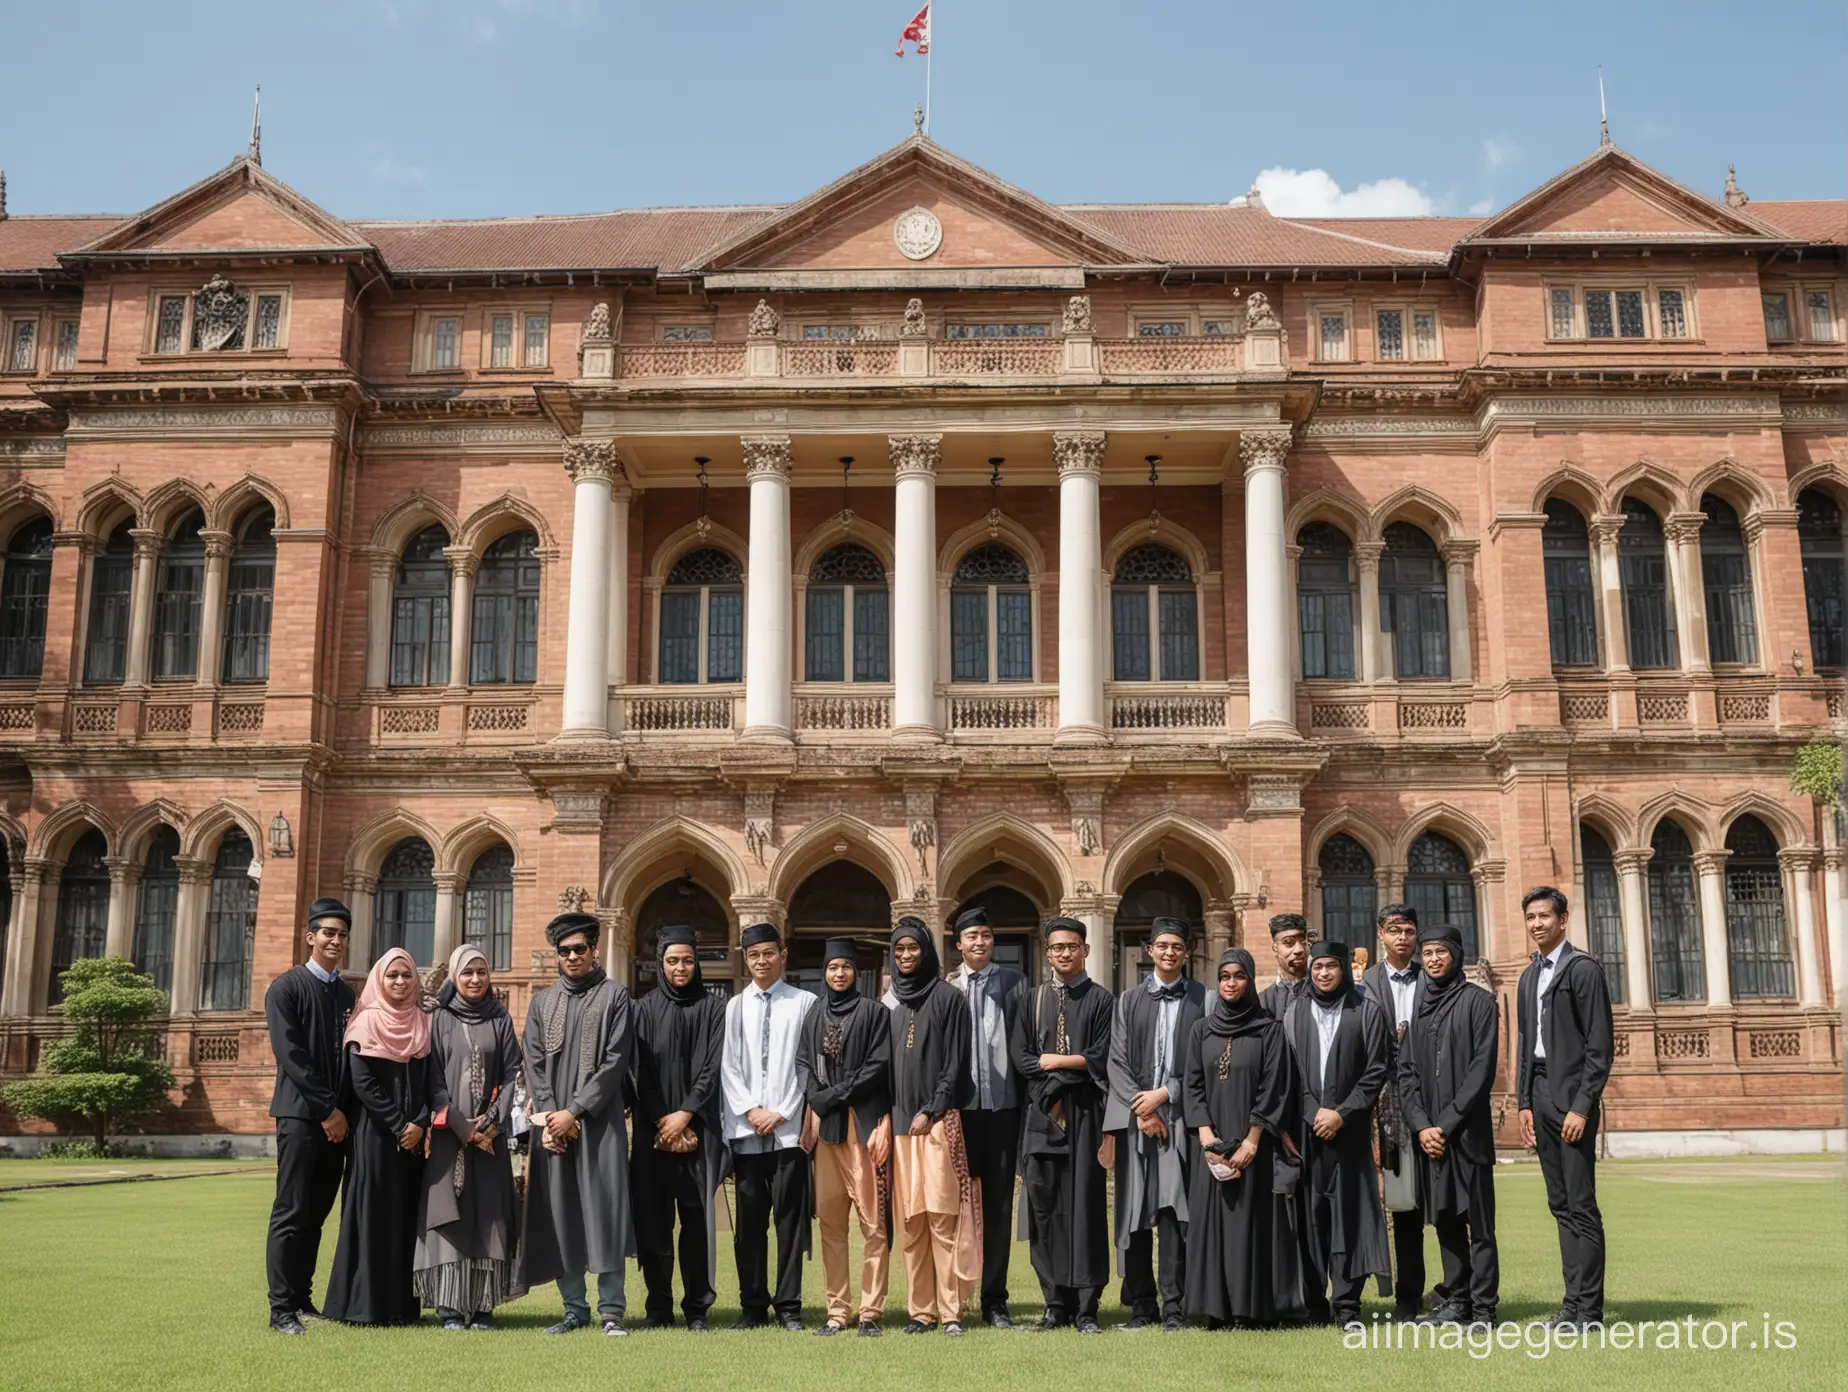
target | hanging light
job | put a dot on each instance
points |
(846, 471)
(704, 524)
(994, 494)
(1153, 461)
(282, 840)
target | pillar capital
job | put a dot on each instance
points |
(217, 544)
(1801, 859)
(590, 460)
(1633, 861)
(1078, 452)
(1459, 550)
(766, 456)
(1605, 526)
(1367, 554)
(915, 456)
(148, 542)
(1264, 449)
(462, 560)
(1711, 862)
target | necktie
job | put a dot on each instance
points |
(978, 996)
(763, 1075)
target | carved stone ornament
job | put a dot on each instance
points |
(577, 810)
(1087, 809)
(765, 454)
(765, 321)
(1078, 314)
(914, 326)
(917, 234)
(594, 459)
(1084, 833)
(921, 823)
(914, 454)
(759, 821)
(574, 899)
(1263, 449)
(1274, 793)
(597, 327)
(1259, 314)
(1078, 451)
(220, 312)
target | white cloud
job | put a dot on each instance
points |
(1314, 193)
(1482, 207)
(1498, 150)
(390, 171)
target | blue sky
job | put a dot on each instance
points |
(434, 108)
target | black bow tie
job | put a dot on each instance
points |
(1167, 993)
(1406, 977)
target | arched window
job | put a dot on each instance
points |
(1726, 571)
(178, 590)
(82, 927)
(230, 925)
(702, 619)
(504, 641)
(1414, 604)
(1326, 601)
(686, 902)
(487, 906)
(1438, 885)
(420, 612)
(1350, 896)
(1825, 576)
(249, 599)
(840, 900)
(1603, 909)
(1571, 612)
(1648, 600)
(1757, 942)
(6, 902)
(1153, 594)
(112, 581)
(1014, 917)
(848, 612)
(991, 617)
(155, 907)
(1674, 917)
(404, 906)
(24, 589)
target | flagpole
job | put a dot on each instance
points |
(932, 31)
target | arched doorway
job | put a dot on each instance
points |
(1158, 894)
(684, 900)
(840, 900)
(1015, 920)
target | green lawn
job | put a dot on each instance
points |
(162, 1285)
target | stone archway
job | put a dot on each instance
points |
(840, 899)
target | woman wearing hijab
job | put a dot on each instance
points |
(388, 1064)
(470, 1219)
(1241, 1247)
(936, 1210)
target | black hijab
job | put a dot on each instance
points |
(1343, 988)
(914, 989)
(1441, 992)
(842, 1002)
(1229, 1019)
(679, 935)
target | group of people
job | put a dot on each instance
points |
(1240, 1128)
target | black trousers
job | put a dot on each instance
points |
(309, 1168)
(664, 1185)
(1139, 1279)
(993, 1142)
(1466, 1241)
(1319, 1272)
(1408, 1262)
(774, 1183)
(1570, 1170)
(1043, 1189)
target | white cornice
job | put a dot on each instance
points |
(499, 436)
(169, 422)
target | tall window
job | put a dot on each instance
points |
(487, 907)
(1674, 917)
(82, 926)
(404, 906)
(991, 617)
(177, 595)
(1438, 885)
(249, 600)
(848, 612)
(1326, 600)
(1565, 548)
(1603, 909)
(112, 578)
(1414, 604)
(25, 586)
(1153, 594)
(504, 641)
(1648, 602)
(1825, 576)
(6, 902)
(1726, 570)
(230, 923)
(155, 907)
(420, 612)
(1757, 942)
(702, 619)
(1349, 894)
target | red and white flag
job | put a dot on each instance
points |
(917, 32)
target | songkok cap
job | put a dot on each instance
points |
(976, 917)
(1288, 923)
(760, 933)
(839, 947)
(329, 908)
(1171, 927)
(1328, 947)
(566, 924)
(1442, 932)
(1071, 925)
(675, 935)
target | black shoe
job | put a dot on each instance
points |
(792, 1323)
(1084, 1324)
(1406, 1314)
(997, 1319)
(870, 1329)
(1050, 1321)
(613, 1328)
(830, 1329)
(287, 1323)
(953, 1328)
(481, 1320)
(309, 1315)
(1488, 1319)
(1450, 1312)
(570, 1324)
(746, 1322)
(696, 1324)
(1562, 1319)
(1172, 1325)
(658, 1322)
(920, 1327)
(1135, 1322)
(1345, 1316)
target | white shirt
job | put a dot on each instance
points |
(988, 1057)
(1403, 992)
(1548, 965)
(321, 972)
(759, 1066)
(1327, 1026)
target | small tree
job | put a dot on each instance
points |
(1818, 772)
(113, 1069)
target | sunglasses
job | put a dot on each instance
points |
(574, 950)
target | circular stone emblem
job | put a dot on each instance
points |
(917, 234)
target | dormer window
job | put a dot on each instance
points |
(1619, 313)
(220, 317)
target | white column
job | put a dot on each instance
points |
(1079, 455)
(359, 890)
(384, 570)
(1604, 531)
(1456, 603)
(212, 605)
(914, 586)
(1801, 865)
(1711, 867)
(1832, 885)
(767, 599)
(448, 934)
(1683, 537)
(617, 648)
(21, 941)
(593, 467)
(189, 934)
(141, 604)
(1634, 903)
(1267, 645)
(124, 880)
(462, 563)
(1372, 648)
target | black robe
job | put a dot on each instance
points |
(675, 1068)
(307, 1029)
(1342, 1170)
(381, 1206)
(856, 1081)
(1278, 996)
(1242, 1261)
(929, 1055)
(1446, 1075)
(1150, 1175)
(1073, 1250)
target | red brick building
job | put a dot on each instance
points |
(921, 542)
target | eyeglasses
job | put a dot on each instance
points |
(574, 950)
(1064, 947)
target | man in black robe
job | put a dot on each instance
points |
(1563, 1063)
(1341, 1046)
(579, 1033)
(1144, 1139)
(677, 1158)
(1290, 944)
(307, 1009)
(1062, 1050)
(1395, 983)
(1446, 1074)
(991, 1120)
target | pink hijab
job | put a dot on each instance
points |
(383, 1030)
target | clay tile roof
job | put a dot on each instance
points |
(1411, 233)
(645, 238)
(1220, 234)
(1812, 219)
(31, 242)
